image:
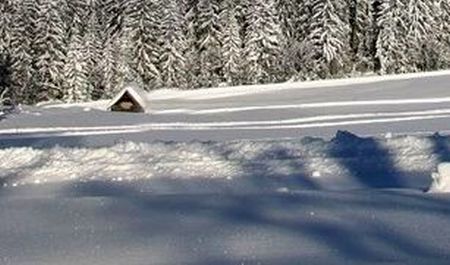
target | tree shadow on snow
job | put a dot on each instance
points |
(366, 160)
(441, 147)
(36, 142)
(345, 227)
(277, 167)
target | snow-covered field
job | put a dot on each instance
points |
(330, 172)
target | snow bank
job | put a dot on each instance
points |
(441, 178)
(345, 162)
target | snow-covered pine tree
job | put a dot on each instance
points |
(144, 18)
(93, 41)
(231, 43)
(75, 16)
(361, 29)
(328, 39)
(50, 49)
(422, 30)
(427, 47)
(116, 61)
(7, 11)
(241, 15)
(208, 44)
(22, 54)
(443, 7)
(174, 47)
(262, 44)
(116, 66)
(114, 16)
(287, 15)
(5, 74)
(192, 52)
(441, 56)
(83, 55)
(76, 82)
(295, 16)
(108, 66)
(391, 45)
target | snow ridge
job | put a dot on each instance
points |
(345, 162)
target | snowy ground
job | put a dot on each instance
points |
(373, 106)
(88, 225)
(232, 176)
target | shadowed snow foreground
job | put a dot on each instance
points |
(127, 226)
(241, 202)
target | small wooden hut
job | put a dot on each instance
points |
(130, 99)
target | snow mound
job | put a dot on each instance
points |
(441, 178)
(345, 162)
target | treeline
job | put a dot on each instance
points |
(79, 50)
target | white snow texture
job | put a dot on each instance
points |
(441, 178)
(345, 162)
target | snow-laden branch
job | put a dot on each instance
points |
(5, 104)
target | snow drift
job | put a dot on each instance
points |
(441, 178)
(345, 162)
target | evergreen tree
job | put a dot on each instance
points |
(115, 12)
(192, 52)
(209, 46)
(422, 30)
(22, 55)
(7, 11)
(144, 18)
(328, 39)
(108, 66)
(75, 16)
(443, 8)
(231, 43)
(77, 86)
(116, 62)
(391, 42)
(440, 53)
(361, 34)
(82, 73)
(93, 42)
(263, 42)
(116, 66)
(173, 61)
(296, 16)
(6, 20)
(50, 49)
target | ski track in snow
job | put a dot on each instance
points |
(306, 106)
(300, 123)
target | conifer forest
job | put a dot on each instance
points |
(82, 50)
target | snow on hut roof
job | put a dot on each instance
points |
(135, 91)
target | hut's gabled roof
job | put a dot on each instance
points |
(136, 92)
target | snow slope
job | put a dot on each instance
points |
(402, 104)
